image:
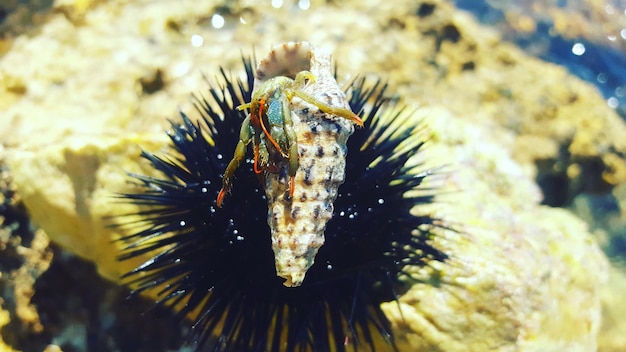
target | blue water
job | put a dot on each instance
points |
(602, 66)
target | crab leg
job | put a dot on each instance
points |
(245, 135)
(333, 110)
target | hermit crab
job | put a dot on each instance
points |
(217, 264)
(298, 130)
(270, 106)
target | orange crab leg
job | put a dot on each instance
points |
(220, 197)
(256, 159)
(292, 185)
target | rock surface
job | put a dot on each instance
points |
(523, 276)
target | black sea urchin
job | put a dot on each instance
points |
(217, 263)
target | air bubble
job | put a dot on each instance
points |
(217, 21)
(578, 49)
(304, 4)
(197, 40)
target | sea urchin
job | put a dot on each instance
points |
(217, 265)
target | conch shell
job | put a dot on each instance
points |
(298, 222)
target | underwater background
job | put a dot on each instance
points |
(586, 37)
(524, 103)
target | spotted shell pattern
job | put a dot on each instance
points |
(297, 224)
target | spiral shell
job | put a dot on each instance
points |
(297, 223)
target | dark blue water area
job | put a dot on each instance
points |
(603, 66)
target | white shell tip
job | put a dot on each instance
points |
(293, 279)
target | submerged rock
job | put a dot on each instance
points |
(522, 276)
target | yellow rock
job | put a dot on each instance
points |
(4, 320)
(519, 272)
(70, 191)
(522, 276)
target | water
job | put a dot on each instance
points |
(600, 61)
